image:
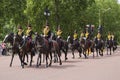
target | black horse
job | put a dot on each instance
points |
(111, 45)
(99, 46)
(87, 46)
(28, 47)
(44, 46)
(11, 38)
(63, 45)
(74, 45)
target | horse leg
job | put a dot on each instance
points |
(55, 57)
(65, 52)
(88, 52)
(50, 59)
(97, 52)
(31, 59)
(59, 55)
(107, 51)
(27, 57)
(73, 53)
(46, 60)
(84, 53)
(79, 53)
(43, 58)
(102, 52)
(38, 60)
(12, 59)
(110, 51)
(113, 49)
(40, 56)
(22, 59)
(93, 55)
(92, 49)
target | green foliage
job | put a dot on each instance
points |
(70, 14)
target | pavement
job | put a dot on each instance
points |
(99, 68)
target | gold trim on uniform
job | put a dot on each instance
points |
(75, 36)
(87, 34)
(45, 31)
(98, 36)
(59, 32)
(109, 37)
(112, 36)
(82, 35)
(20, 33)
(27, 32)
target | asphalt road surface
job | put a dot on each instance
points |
(100, 68)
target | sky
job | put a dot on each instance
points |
(118, 1)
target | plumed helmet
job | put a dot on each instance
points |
(19, 27)
(29, 25)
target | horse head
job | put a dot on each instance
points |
(109, 43)
(39, 40)
(53, 36)
(70, 39)
(17, 39)
(9, 38)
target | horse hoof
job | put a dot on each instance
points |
(49, 64)
(55, 61)
(25, 63)
(66, 59)
(80, 56)
(86, 57)
(22, 66)
(37, 66)
(60, 63)
(101, 54)
(30, 65)
(46, 66)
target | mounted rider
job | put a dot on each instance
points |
(75, 35)
(87, 34)
(87, 40)
(109, 36)
(59, 38)
(47, 34)
(99, 36)
(75, 39)
(20, 31)
(112, 36)
(98, 39)
(114, 41)
(29, 34)
(59, 32)
(82, 35)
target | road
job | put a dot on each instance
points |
(100, 68)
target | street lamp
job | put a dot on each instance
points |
(103, 12)
(47, 14)
(100, 14)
